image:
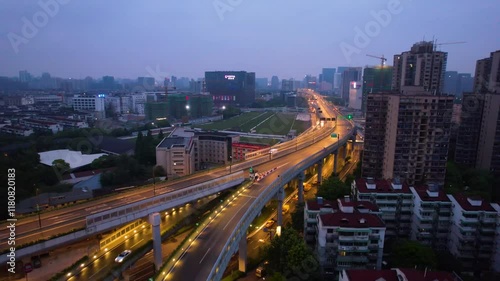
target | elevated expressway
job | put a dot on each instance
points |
(103, 214)
(208, 256)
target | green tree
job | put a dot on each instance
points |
(333, 188)
(287, 254)
(60, 166)
(408, 254)
(138, 147)
(160, 135)
(276, 277)
(298, 218)
(105, 161)
(159, 171)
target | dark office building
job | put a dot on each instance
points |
(154, 110)
(231, 87)
(189, 106)
(328, 75)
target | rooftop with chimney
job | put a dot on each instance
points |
(352, 220)
(370, 185)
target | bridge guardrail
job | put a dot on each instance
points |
(231, 245)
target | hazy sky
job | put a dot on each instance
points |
(288, 38)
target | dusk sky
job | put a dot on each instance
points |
(288, 38)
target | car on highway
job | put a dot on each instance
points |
(123, 255)
(269, 223)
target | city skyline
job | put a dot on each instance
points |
(186, 39)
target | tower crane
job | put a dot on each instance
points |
(382, 59)
(447, 43)
(382, 63)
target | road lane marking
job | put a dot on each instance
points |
(235, 214)
(205, 255)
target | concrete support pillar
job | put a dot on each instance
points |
(154, 220)
(320, 171)
(344, 150)
(335, 160)
(301, 178)
(242, 256)
(280, 196)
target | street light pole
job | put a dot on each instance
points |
(154, 182)
(38, 208)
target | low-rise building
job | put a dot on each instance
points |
(16, 130)
(40, 125)
(431, 220)
(349, 240)
(394, 199)
(475, 233)
(239, 149)
(176, 155)
(396, 274)
(319, 206)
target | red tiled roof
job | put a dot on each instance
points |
(351, 220)
(48, 123)
(422, 193)
(465, 204)
(313, 205)
(360, 204)
(248, 145)
(382, 186)
(371, 275)
(416, 275)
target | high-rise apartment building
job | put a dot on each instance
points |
(421, 66)
(407, 136)
(231, 87)
(478, 141)
(375, 80)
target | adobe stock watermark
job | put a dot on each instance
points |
(223, 6)
(363, 37)
(31, 27)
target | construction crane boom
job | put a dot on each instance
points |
(382, 59)
(447, 43)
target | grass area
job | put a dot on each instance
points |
(233, 122)
(301, 126)
(278, 124)
(270, 142)
(246, 127)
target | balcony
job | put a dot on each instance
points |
(465, 219)
(374, 236)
